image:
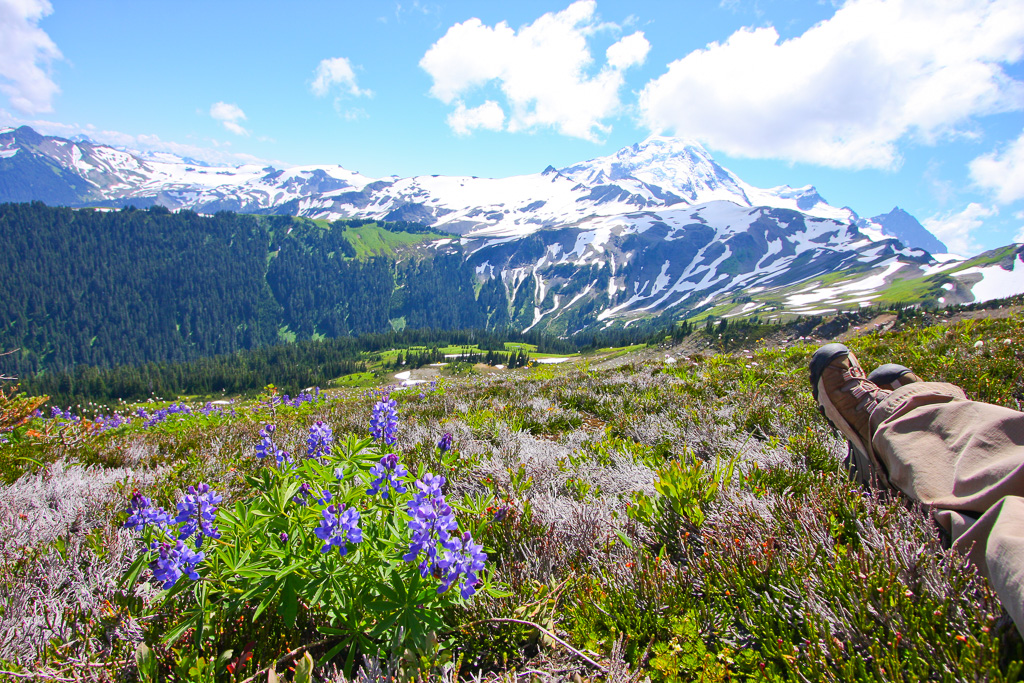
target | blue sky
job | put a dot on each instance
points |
(877, 103)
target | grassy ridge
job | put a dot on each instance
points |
(374, 240)
(664, 513)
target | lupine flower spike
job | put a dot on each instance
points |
(432, 523)
(142, 514)
(197, 512)
(463, 559)
(318, 444)
(445, 444)
(338, 528)
(266, 446)
(388, 473)
(384, 421)
(175, 561)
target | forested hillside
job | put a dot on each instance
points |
(83, 287)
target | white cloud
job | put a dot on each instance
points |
(849, 89)
(630, 51)
(541, 69)
(337, 71)
(956, 228)
(26, 53)
(229, 115)
(1002, 174)
(488, 116)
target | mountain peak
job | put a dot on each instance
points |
(27, 136)
(669, 142)
(664, 167)
(907, 229)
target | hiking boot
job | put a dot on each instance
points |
(892, 376)
(846, 398)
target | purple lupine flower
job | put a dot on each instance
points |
(143, 514)
(197, 512)
(65, 415)
(339, 473)
(388, 473)
(108, 422)
(432, 522)
(318, 444)
(384, 422)
(163, 413)
(304, 397)
(266, 446)
(174, 562)
(306, 491)
(445, 444)
(301, 497)
(463, 561)
(283, 537)
(336, 530)
(141, 412)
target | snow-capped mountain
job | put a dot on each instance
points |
(656, 228)
(81, 173)
(658, 173)
(738, 260)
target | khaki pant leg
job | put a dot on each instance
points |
(995, 543)
(965, 461)
(948, 452)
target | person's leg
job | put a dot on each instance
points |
(963, 459)
(946, 451)
(847, 398)
(995, 544)
(892, 376)
(924, 438)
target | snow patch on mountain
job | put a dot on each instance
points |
(996, 281)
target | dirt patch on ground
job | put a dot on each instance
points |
(881, 323)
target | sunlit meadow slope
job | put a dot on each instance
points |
(661, 513)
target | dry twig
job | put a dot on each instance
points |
(546, 632)
(287, 657)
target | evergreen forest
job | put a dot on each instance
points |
(116, 288)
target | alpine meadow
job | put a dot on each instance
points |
(649, 343)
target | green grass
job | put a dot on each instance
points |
(373, 240)
(286, 335)
(912, 290)
(356, 380)
(986, 260)
(515, 346)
